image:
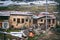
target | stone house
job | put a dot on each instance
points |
(40, 20)
(20, 19)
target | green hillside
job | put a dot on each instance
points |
(28, 8)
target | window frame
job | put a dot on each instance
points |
(41, 20)
(18, 20)
(26, 20)
(22, 20)
(53, 21)
(14, 19)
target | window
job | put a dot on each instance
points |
(26, 20)
(22, 20)
(14, 19)
(41, 20)
(49, 20)
(53, 21)
(12, 26)
(18, 20)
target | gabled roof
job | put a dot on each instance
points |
(45, 13)
(35, 17)
(42, 16)
(8, 13)
(20, 13)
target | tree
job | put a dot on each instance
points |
(58, 9)
(58, 6)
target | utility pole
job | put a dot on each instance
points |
(46, 13)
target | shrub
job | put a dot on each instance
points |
(57, 29)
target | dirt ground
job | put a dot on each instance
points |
(50, 36)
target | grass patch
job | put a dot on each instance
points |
(1, 35)
(10, 30)
(27, 8)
